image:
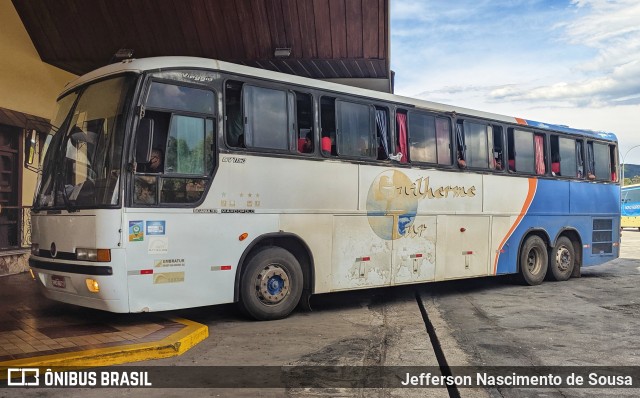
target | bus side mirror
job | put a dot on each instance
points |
(144, 140)
(30, 147)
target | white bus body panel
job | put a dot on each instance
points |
(293, 186)
(82, 229)
(193, 261)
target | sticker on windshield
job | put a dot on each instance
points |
(136, 231)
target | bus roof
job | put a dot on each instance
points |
(162, 63)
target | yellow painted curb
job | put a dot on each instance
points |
(172, 345)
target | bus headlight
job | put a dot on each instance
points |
(92, 285)
(35, 249)
(97, 255)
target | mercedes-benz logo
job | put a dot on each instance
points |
(54, 251)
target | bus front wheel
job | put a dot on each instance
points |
(271, 284)
(534, 261)
(562, 260)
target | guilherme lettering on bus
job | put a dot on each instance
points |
(421, 188)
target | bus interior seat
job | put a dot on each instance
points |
(326, 144)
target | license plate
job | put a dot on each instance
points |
(58, 281)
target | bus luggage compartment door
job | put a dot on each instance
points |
(414, 251)
(361, 257)
(464, 241)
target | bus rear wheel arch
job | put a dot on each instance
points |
(533, 260)
(271, 284)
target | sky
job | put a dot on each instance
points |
(574, 63)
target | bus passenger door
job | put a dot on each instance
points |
(464, 241)
(414, 251)
(360, 257)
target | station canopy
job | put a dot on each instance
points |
(338, 40)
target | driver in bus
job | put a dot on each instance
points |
(155, 162)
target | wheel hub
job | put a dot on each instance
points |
(563, 259)
(533, 261)
(272, 284)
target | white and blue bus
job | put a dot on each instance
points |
(180, 182)
(630, 209)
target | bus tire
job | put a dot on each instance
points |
(562, 260)
(534, 261)
(271, 284)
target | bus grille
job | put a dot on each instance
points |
(602, 238)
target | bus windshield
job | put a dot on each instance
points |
(83, 160)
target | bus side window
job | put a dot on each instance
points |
(355, 130)
(540, 154)
(567, 150)
(579, 159)
(382, 133)
(460, 147)
(443, 140)
(183, 145)
(266, 115)
(422, 137)
(145, 190)
(511, 151)
(328, 126)
(613, 161)
(498, 148)
(429, 138)
(555, 155)
(523, 151)
(600, 158)
(160, 131)
(304, 123)
(477, 139)
(401, 134)
(233, 114)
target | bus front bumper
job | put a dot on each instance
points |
(68, 282)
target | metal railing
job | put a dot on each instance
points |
(15, 227)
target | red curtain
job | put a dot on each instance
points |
(401, 119)
(539, 140)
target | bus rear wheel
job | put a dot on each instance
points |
(562, 260)
(271, 284)
(534, 261)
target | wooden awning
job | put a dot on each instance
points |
(328, 39)
(24, 120)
